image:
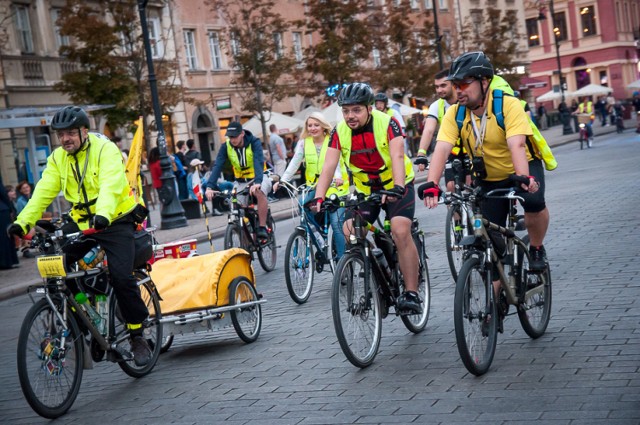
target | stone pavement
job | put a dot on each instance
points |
(14, 282)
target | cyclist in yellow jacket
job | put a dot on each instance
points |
(371, 145)
(89, 172)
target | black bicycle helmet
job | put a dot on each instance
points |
(470, 65)
(381, 97)
(70, 117)
(356, 94)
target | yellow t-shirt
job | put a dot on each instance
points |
(497, 156)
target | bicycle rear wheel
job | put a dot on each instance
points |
(152, 328)
(453, 235)
(356, 314)
(417, 322)
(535, 311)
(268, 253)
(299, 266)
(49, 370)
(475, 317)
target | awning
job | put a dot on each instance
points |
(531, 83)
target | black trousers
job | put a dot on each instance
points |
(117, 242)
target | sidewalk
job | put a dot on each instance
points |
(15, 281)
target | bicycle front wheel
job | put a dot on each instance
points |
(50, 359)
(233, 237)
(268, 253)
(299, 266)
(453, 235)
(535, 311)
(475, 317)
(152, 328)
(417, 322)
(356, 313)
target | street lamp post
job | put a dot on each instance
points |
(172, 213)
(563, 109)
(438, 38)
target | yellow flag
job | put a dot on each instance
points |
(132, 169)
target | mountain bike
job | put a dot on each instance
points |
(368, 282)
(243, 225)
(63, 333)
(478, 315)
(458, 223)
(307, 250)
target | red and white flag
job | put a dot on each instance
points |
(196, 185)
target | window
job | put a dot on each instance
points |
(414, 4)
(533, 36)
(23, 27)
(297, 46)
(588, 18)
(126, 44)
(476, 21)
(61, 40)
(214, 50)
(442, 4)
(560, 26)
(376, 58)
(277, 41)
(417, 39)
(155, 38)
(190, 49)
(428, 4)
(235, 45)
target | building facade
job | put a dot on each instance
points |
(597, 43)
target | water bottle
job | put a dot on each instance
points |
(82, 299)
(102, 308)
(477, 224)
(319, 237)
(387, 225)
(382, 261)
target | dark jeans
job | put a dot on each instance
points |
(117, 242)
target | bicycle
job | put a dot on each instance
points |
(477, 314)
(458, 223)
(60, 335)
(368, 282)
(307, 250)
(583, 120)
(243, 225)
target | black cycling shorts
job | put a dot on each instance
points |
(497, 210)
(403, 207)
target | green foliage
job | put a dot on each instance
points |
(345, 41)
(498, 39)
(107, 72)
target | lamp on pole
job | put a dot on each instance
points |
(438, 38)
(563, 109)
(172, 213)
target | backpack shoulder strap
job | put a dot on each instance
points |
(498, 100)
(460, 113)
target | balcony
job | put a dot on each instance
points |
(34, 71)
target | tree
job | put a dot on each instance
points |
(261, 66)
(109, 49)
(345, 41)
(497, 38)
(407, 56)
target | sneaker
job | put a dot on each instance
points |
(409, 303)
(216, 212)
(262, 233)
(140, 350)
(538, 261)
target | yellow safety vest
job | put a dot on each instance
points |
(240, 172)
(589, 108)
(313, 166)
(360, 177)
(98, 164)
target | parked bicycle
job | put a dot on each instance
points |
(243, 226)
(67, 329)
(478, 315)
(584, 138)
(368, 282)
(307, 250)
(458, 224)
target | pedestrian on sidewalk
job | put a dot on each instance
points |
(8, 254)
(278, 152)
(542, 117)
(636, 105)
